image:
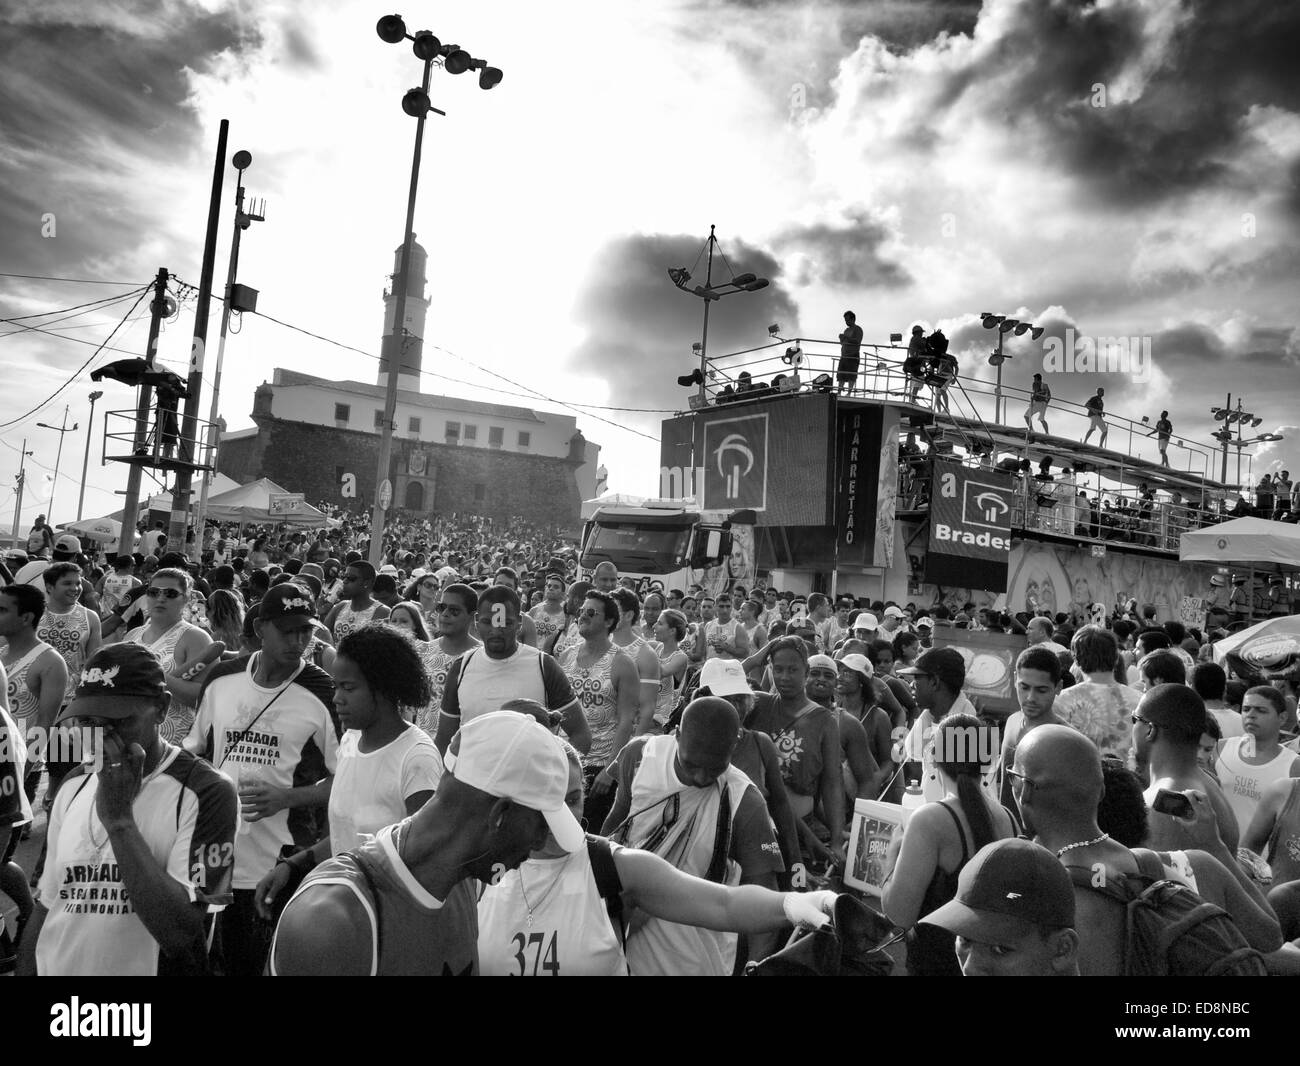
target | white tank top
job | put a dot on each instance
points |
(569, 933)
(594, 688)
(437, 663)
(727, 630)
(67, 634)
(1243, 785)
(348, 619)
(180, 716)
(22, 700)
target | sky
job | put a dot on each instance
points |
(1122, 168)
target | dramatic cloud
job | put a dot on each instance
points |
(640, 327)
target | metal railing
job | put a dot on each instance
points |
(161, 442)
(881, 377)
(1057, 508)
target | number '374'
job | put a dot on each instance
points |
(550, 962)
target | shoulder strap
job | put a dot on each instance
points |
(965, 849)
(180, 794)
(1149, 864)
(608, 883)
(722, 839)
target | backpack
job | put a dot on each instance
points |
(1170, 931)
(608, 883)
(937, 343)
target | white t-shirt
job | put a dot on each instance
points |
(478, 684)
(919, 747)
(1243, 784)
(186, 813)
(371, 788)
(569, 935)
(294, 730)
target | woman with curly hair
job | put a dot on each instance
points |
(387, 767)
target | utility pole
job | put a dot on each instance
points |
(189, 424)
(242, 160)
(85, 459)
(139, 450)
(22, 476)
(62, 430)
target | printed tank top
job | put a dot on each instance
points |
(594, 688)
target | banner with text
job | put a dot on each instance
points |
(863, 456)
(970, 527)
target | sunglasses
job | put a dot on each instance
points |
(1135, 718)
(589, 613)
(429, 586)
(172, 594)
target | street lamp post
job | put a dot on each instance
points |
(1004, 326)
(1238, 416)
(415, 103)
(62, 431)
(708, 292)
(85, 462)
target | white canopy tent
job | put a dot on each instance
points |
(1255, 542)
(252, 503)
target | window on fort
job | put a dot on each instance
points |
(471, 432)
(496, 436)
(480, 493)
(379, 419)
(453, 431)
(342, 412)
(413, 425)
(525, 439)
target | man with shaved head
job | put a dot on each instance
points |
(1057, 783)
(605, 577)
(1167, 728)
(682, 792)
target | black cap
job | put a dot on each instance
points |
(286, 600)
(114, 681)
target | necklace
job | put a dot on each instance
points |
(1083, 844)
(523, 889)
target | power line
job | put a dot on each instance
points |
(530, 394)
(71, 281)
(104, 300)
(77, 373)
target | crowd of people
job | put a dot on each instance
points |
(278, 759)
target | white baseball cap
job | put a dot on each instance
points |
(895, 612)
(860, 663)
(509, 755)
(724, 677)
(925, 623)
(865, 620)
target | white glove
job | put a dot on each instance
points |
(810, 909)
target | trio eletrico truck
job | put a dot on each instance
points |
(671, 541)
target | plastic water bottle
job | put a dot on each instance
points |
(912, 797)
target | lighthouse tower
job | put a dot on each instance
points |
(411, 345)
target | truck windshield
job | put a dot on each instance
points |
(633, 548)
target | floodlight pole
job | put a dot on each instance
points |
(399, 325)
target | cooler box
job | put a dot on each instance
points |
(874, 822)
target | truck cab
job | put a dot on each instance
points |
(658, 539)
